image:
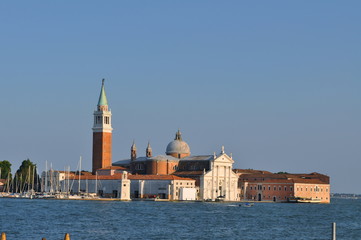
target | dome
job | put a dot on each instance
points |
(178, 146)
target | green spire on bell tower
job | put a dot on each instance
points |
(102, 98)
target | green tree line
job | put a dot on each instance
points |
(26, 177)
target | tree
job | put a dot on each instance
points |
(26, 177)
(5, 169)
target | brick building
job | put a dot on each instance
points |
(265, 186)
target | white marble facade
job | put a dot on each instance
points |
(219, 183)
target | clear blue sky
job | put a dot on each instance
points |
(277, 82)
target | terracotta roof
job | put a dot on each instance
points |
(157, 177)
(99, 177)
(315, 178)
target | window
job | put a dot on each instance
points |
(251, 188)
(139, 167)
(285, 188)
(279, 188)
(269, 188)
(274, 188)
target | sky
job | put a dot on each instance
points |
(276, 82)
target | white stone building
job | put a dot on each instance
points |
(162, 187)
(213, 174)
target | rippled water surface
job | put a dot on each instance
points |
(34, 219)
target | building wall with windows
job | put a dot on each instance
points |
(158, 186)
(313, 190)
(283, 187)
(109, 186)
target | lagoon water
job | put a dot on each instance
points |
(36, 218)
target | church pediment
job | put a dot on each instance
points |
(223, 158)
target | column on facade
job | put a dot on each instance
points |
(229, 182)
(217, 183)
(225, 182)
(212, 194)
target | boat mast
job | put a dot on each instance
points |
(33, 181)
(68, 187)
(46, 177)
(79, 175)
(29, 174)
(51, 178)
(8, 183)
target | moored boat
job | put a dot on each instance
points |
(303, 200)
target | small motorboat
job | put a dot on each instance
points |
(246, 204)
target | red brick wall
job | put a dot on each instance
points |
(161, 167)
(281, 191)
(102, 150)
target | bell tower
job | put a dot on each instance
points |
(102, 133)
(148, 151)
(133, 152)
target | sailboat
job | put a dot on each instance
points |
(77, 196)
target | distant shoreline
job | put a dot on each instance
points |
(346, 195)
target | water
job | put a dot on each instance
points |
(34, 219)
